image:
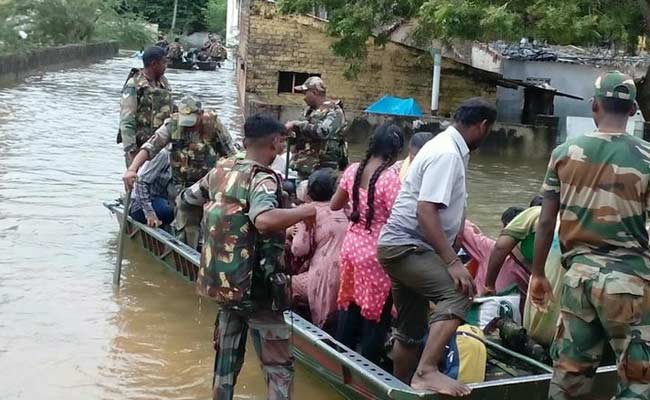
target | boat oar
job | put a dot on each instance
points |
(120, 246)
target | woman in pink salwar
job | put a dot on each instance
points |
(368, 189)
(321, 243)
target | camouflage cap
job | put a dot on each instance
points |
(313, 82)
(188, 111)
(615, 85)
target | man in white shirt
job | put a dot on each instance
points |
(415, 248)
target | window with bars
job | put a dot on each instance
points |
(287, 80)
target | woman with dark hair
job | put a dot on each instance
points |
(320, 245)
(368, 189)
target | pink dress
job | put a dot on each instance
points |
(479, 246)
(363, 280)
(320, 284)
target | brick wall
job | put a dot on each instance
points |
(271, 42)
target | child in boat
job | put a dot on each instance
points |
(368, 189)
(320, 244)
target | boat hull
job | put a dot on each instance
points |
(198, 65)
(345, 370)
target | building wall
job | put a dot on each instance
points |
(232, 22)
(277, 42)
(573, 79)
(242, 53)
(484, 58)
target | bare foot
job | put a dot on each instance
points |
(437, 382)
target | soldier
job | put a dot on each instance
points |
(319, 142)
(242, 258)
(146, 102)
(599, 183)
(162, 42)
(175, 51)
(208, 42)
(216, 50)
(198, 140)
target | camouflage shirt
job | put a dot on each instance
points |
(319, 139)
(193, 152)
(175, 51)
(217, 51)
(602, 183)
(144, 107)
(236, 259)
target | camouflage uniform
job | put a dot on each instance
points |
(319, 141)
(602, 182)
(175, 51)
(236, 265)
(217, 51)
(144, 107)
(193, 154)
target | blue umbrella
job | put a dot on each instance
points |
(396, 106)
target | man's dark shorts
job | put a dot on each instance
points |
(420, 276)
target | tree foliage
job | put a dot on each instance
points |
(56, 22)
(215, 16)
(583, 22)
(189, 17)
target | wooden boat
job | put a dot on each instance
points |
(509, 376)
(191, 65)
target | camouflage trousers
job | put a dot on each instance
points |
(270, 337)
(187, 223)
(599, 305)
(307, 161)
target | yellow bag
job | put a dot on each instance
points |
(466, 356)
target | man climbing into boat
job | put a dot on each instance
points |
(599, 185)
(146, 102)
(415, 248)
(318, 142)
(242, 257)
(198, 140)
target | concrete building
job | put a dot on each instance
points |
(277, 52)
(568, 69)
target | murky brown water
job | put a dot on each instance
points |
(64, 332)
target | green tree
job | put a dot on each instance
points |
(215, 16)
(189, 19)
(57, 22)
(356, 23)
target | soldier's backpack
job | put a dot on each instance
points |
(238, 265)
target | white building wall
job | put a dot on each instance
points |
(232, 23)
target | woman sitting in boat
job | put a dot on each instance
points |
(368, 189)
(319, 245)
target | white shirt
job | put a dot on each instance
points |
(436, 175)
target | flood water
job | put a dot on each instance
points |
(64, 332)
